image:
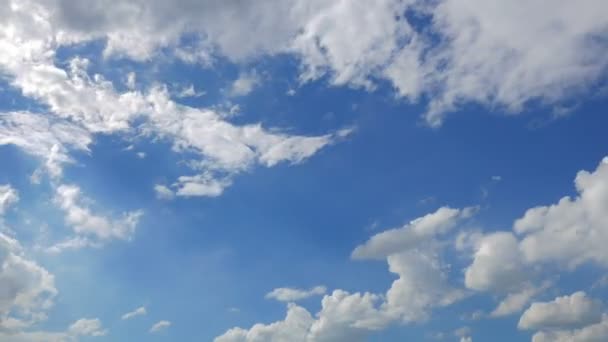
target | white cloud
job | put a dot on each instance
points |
(567, 312)
(476, 51)
(245, 83)
(87, 327)
(89, 227)
(26, 289)
(81, 328)
(73, 243)
(137, 312)
(422, 285)
(8, 197)
(577, 227)
(497, 265)
(131, 80)
(285, 294)
(408, 236)
(163, 192)
(46, 138)
(464, 333)
(160, 326)
(189, 92)
(91, 104)
(515, 302)
(294, 328)
(592, 333)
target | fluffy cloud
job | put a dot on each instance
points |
(163, 192)
(294, 328)
(81, 328)
(26, 289)
(91, 104)
(592, 333)
(567, 312)
(285, 294)
(516, 301)
(47, 138)
(160, 326)
(507, 264)
(577, 227)
(352, 43)
(422, 285)
(497, 264)
(87, 327)
(137, 312)
(89, 227)
(476, 51)
(8, 197)
(424, 228)
(245, 83)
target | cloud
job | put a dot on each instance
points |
(87, 327)
(567, 312)
(160, 326)
(163, 192)
(86, 104)
(91, 229)
(47, 138)
(594, 332)
(285, 294)
(515, 302)
(422, 285)
(8, 197)
(481, 52)
(189, 92)
(416, 231)
(500, 266)
(245, 83)
(137, 312)
(27, 290)
(294, 328)
(497, 265)
(464, 333)
(577, 227)
(81, 328)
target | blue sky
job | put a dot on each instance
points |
(303, 171)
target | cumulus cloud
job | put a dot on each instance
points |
(285, 294)
(497, 264)
(508, 264)
(90, 228)
(87, 327)
(567, 312)
(160, 326)
(89, 104)
(478, 51)
(294, 328)
(422, 285)
(577, 227)
(81, 328)
(8, 197)
(189, 92)
(27, 290)
(515, 302)
(245, 83)
(137, 312)
(591, 333)
(416, 231)
(47, 138)
(163, 192)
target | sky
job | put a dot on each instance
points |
(303, 170)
